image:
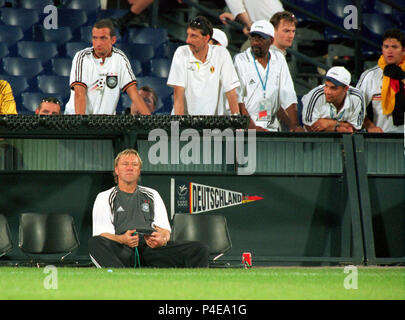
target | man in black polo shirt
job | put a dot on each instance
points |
(130, 225)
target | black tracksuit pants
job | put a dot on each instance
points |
(106, 253)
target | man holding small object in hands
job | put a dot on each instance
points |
(130, 225)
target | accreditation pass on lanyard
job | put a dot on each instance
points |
(264, 102)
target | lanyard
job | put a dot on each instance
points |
(267, 74)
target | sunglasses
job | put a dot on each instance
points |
(52, 100)
(195, 23)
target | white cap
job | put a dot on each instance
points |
(263, 28)
(339, 76)
(220, 36)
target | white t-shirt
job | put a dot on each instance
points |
(370, 84)
(103, 82)
(256, 9)
(279, 87)
(203, 82)
(103, 217)
(315, 107)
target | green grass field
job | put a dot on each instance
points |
(18, 283)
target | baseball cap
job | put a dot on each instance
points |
(263, 28)
(339, 76)
(220, 36)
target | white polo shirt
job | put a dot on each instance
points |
(279, 86)
(370, 84)
(103, 82)
(203, 81)
(256, 9)
(315, 107)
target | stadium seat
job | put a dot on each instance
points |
(91, 7)
(42, 50)
(18, 84)
(37, 4)
(73, 47)
(375, 26)
(157, 37)
(142, 52)
(10, 35)
(313, 6)
(88, 5)
(61, 66)
(171, 48)
(6, 243)
(160, 67)
(209, 229)
(110, 13)
(85, 34)
(46, 234)
(136, 67)
(4, 52)
(24, 18)
(72, 18)
(60, 36)
(335, 12)
(31, 100)
(17, 66)
(54, 85)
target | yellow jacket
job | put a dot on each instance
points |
(7, 102)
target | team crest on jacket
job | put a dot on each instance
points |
(145, 207)
(212, 69)
(112, 81)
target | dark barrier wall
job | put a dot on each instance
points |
(326, 198)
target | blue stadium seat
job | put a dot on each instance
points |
(75, 46)
(10, 35)
(110, 13)
(36, 4)
(171, 48)
(61, 66)
(375, 26)
(4, 52)
(44, 51)
(136, 67)
(382, 8)
(85, 34)
(18, 84)
(17, 66)
(157, 37)
(88, 5)
(142, 52)
(160, 67)
(24, 18)
(74, 19)
(60, 36)
(31, 100)
(313, 6)
(335, 12)
(54, 85)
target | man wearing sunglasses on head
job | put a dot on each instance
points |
(48, 106)
(200, 71)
